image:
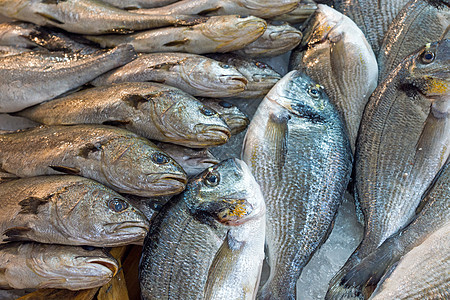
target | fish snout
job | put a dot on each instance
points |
(213, 134)
(236, 82)
(105, 263)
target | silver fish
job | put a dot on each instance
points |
(297, 149)
(152, 110)
(404, 140)
(260, 76)
(418, 23)
(114, 157)
(335, 53)
(433, 213)
(34, 77)
(258, 8)
(34, 265)
(208, 243)
(276, 40)
(9, 51)
(130, 4)
(87, 16)
(68, 210)
(194, 74)
(217, 34)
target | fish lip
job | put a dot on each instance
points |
(106, 263)
(218, 134)
(251, 21)
(114, 227)
(169, 184)
(240, 81)
(288, 35)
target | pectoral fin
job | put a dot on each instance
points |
(276, 134)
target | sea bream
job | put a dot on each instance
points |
(112, 156)
(152, 110)
(217, 34)
(297, 149)
(208, 242)
(34, 77)
(68, 210)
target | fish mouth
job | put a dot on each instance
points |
(255, 24)
(286, 35)
(238, 124)
(169, 184)
(216, 135)
(105, 263)
(234, 80)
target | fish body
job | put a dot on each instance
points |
(35, 265)
(194, 74)
(335, 53)
(208, 243)
(236, 120)
(87, 16)
(68, 210)
(418, 23)
(152, 110)
(112, 156)
(404, 140)
(297, 148)
(276, 40)
(258, 8)
(130, 4)
(34, 77)
(217, 34)
(260, 76)
(9, 51)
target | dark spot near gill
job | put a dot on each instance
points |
(86, 150)
(306, 112)
(30, 205)
(203, 217)
(409, 89)
(134, 100)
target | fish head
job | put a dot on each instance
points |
(297, 93)
(134, 165)
(92, 214)
(233, 31)
(429, 71)
(75, 267)
(236, 120)
(226, 193)
(213, 78)
(281, 34)
(268, 8)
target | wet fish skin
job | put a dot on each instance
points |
(236, 120)
(152, 110)
(35, 265)
(335, 53)
(194, 74)
(34, 77)
(130, 4)
(112, 156)
(217, 34)
(193, 161)
(299, 15)
(12, 34)
(260, 76)
(68, 210)
(403, 142)
(433, 213)
(9, 51)
(214, 231)
(87, 16)
(258, 8)
(297, 148)
(418, 23)
(276, 40)
(422, 273)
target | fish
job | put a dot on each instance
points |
(34, 77)
(422, 273)
(35, 265)
(260, 76)
(88, 16)
(208, 242)
(115, 157)
(193, 161)
(68, 210)
(151, 110)
(298, 15)
(259, 8)
(9, 51)
(335, 53)
(404, 140)
(432, 214)
(276, 40)
(134, 4)
(372, 16)
(217, 34)
(236, 120)
(192, 73)
(419, 22)
(297, 149)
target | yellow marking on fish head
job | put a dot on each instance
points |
(437, 86)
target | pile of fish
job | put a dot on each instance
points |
(119, 148)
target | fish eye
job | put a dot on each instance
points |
(159, 158)
(261, 65)
(225, 104)
(427, 57)
(88, 248)
(225, 66)
(207, 112)
(314, 92)
(212, 179)
(117, 205)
